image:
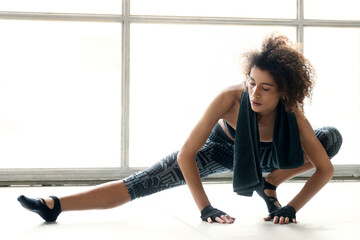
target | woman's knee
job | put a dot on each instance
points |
(330, 138)
(162, 175)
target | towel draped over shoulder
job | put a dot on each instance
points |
(286, 146)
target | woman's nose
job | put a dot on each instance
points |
(256, 93)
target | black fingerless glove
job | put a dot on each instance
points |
(287, 211)
(211, 212)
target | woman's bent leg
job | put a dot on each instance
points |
(331, 140)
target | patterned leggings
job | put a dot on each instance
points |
(216, 156)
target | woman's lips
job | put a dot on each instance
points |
(255, 103)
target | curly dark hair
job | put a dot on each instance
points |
(292, 72)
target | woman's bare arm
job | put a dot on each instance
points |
(186, 157)
(317, 156)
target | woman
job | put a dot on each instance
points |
(278, 77)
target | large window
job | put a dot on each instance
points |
(91, 89)
(336, 99)
(60, 91)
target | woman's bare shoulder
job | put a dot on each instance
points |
(234, 92)
(300, 118)
(305, 128)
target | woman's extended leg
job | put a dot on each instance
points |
(104, 196)
(163, 175)
(116, 193)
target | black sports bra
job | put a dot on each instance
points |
(230, 130)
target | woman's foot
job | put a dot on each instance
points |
(49, 202)
(49, 210)
(268, 193)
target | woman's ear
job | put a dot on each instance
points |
(284, 96)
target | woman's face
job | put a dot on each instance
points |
(263, 91)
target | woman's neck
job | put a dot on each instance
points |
(265, 119)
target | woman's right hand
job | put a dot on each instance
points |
(211, 215)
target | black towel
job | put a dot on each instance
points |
(286, 149)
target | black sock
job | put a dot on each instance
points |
(40, 207)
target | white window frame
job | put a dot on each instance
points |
(97, 175)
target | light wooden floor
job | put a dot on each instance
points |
(333, 214)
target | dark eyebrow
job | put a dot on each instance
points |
(267, 84)
(262, 83)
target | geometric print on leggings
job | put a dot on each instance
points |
(163, 175)
(166, 174)
(216, 156)
(211, 160)
(330, 138)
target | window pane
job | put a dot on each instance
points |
(176, 70)
(216, 8)
(64, 6)
(334, 9)
(60, 93)
(335, 53)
